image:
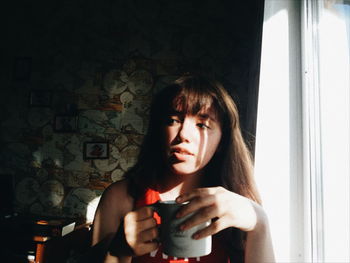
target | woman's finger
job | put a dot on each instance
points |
(148, 235)
(196, 203)
(145, 248)
(195, 193)
(132, 226)
(203, 215)
(146, 224)
(142, 213)
(215, 227)
(141, 235)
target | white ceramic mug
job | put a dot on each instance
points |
(178, 243)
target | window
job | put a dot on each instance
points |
(327, 111)
(303, 129)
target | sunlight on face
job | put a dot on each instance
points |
(191, 140)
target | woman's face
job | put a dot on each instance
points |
(191, 141)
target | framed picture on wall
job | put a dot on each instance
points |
(40, 98)
(96, 150)
(66, 123)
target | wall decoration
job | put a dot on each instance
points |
(106, 165)
(128, 157)
(51, 193)
(117, 175)
(81, 202)
(96, 150)
(27, 191)
(121, 141)
(40, 98)
(102, 92)
(115, 82)
(140, 82)
(66, 123)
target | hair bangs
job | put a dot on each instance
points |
(190, 101)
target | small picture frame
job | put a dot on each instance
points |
(96, 150)
(40, 98)
(22, 69)
(66, 123)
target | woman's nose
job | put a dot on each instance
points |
(186, 130)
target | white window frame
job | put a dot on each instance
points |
(290, 101)
(312, 127)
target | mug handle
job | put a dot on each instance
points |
(157, 217)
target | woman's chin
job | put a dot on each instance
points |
(183, 171)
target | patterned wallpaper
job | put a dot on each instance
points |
(82, 72)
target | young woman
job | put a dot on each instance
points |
(193, 151)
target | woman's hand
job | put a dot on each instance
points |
(140, 230)
(225, 207)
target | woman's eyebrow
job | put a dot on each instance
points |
(206, 116)
(175, 112)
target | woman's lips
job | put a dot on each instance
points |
(181, 151)
(181, 154)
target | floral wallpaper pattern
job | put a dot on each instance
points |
(100, 62)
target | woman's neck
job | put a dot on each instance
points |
(174, 185)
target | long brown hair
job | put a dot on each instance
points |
(231, 167)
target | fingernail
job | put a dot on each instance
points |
(179, 199)
(195, 236)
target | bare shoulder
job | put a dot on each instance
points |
(114, 204)
(117, 198)
(119, 189)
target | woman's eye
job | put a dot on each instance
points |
(172, 121)
(203, 126)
